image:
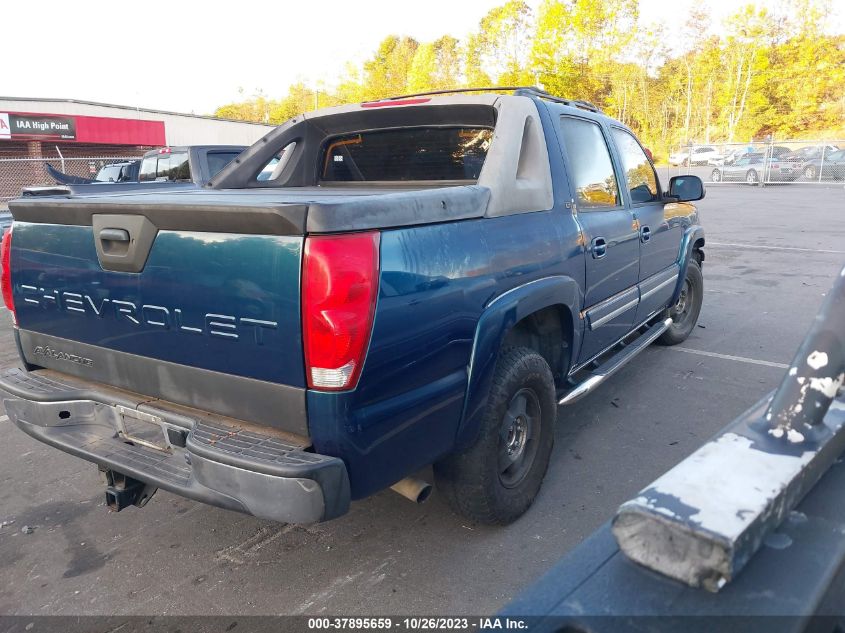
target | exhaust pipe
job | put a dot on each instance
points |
(412, 488)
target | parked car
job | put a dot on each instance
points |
(831, 166)
(782, 171)
(183, 167)
(777, 151)
(694, 156)
(422, 282)
(806, 154)
(729, 157)
(748, 168)
(124, 171)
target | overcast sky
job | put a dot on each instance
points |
(192, 56)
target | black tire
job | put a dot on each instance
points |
(810, 172)
(751, 177)
(684, 313)
(716, 175)
(475, 482)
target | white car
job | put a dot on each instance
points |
(695, 156)
(728, 157)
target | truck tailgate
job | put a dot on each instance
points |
(197, 305)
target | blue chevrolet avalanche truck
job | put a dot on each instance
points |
(419, 281)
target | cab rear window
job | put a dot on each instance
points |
(421, 153)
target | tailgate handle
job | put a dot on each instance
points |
(123, 242)
(114, 235)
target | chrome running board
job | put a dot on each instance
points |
(615, 363)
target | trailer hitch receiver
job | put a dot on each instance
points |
(123, 491)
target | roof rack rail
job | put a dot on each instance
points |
(575, 103)
(533, 91)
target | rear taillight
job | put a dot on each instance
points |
(339, 288)
(6, 273)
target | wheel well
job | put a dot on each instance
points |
(549, 332)
(698, 250)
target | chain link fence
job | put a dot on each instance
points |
(17, 173)
(770, 162)
(762, 163)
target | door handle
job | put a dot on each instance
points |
(598, 246)
(645, 234)
(114, 235)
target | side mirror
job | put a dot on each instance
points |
(686, 188)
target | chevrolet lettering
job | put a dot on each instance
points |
(220, 325)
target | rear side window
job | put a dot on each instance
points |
(422, 153)
(218, 160)
(177, 168)
(639, 174)
(147, 171)
(589, 161)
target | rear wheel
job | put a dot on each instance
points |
(810, 172)
(496, 480)
(684, 313)
(716, 175)
(751, 177)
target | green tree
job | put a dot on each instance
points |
(778, 71)
(806, 88)
(255, 108)
(500, 48)
(386, 73)
(579, 44)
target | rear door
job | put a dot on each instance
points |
(659, 224)
(611, 240)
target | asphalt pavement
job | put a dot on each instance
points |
(771, 254)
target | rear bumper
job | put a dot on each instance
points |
(210, 459)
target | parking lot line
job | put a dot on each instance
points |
(741, 359)
(776, 248)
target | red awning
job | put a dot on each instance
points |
(95, 129)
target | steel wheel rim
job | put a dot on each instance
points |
(518, 435)
(680, 311)
(751, 178)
